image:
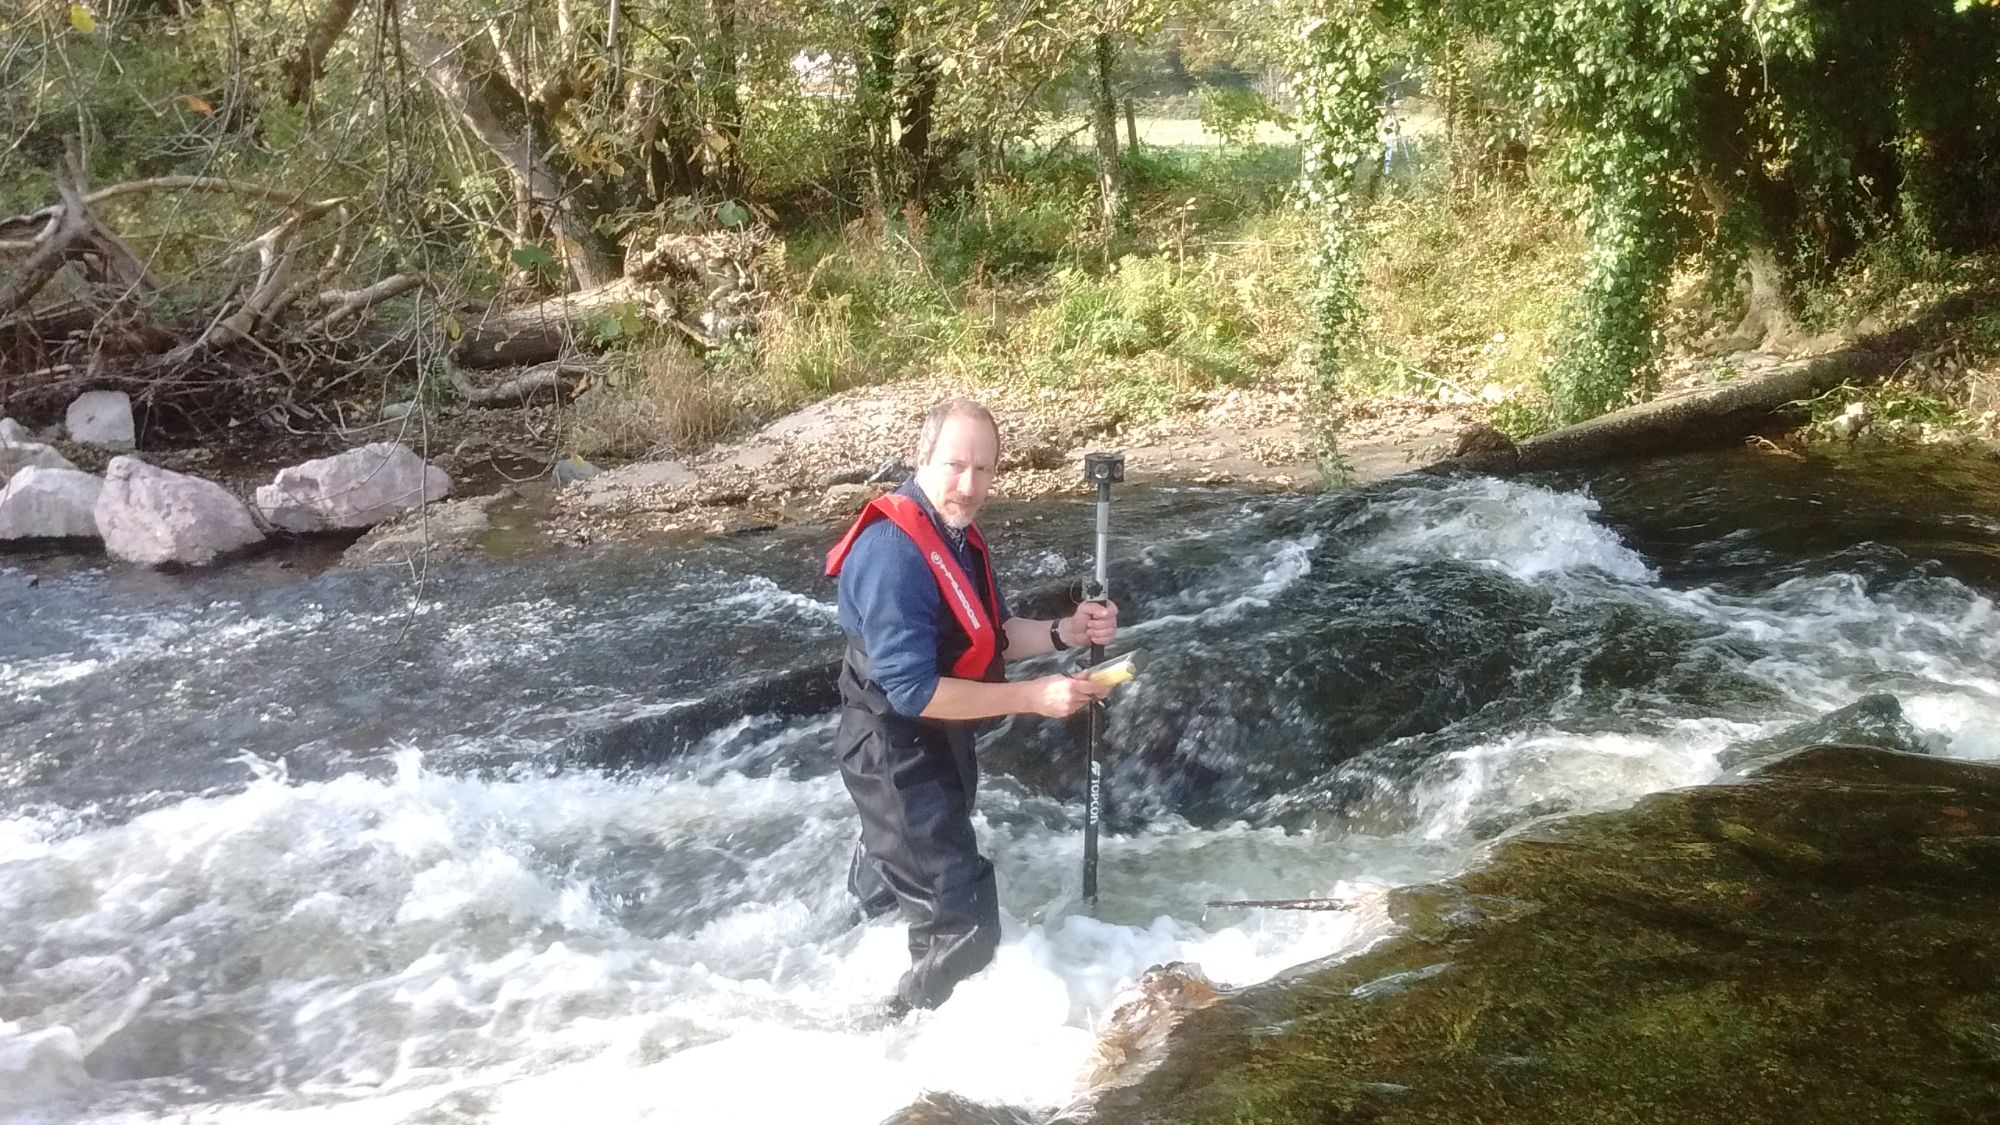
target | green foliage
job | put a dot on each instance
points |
(1017, 224)
(1234, 113)
(1152, 330)
(862, 307)
(1463, 291)
(1339, 55)
(1897, 410)
(1892, 275)
(1682, 129)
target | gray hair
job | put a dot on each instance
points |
(945, 411)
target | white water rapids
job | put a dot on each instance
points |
(427, 944)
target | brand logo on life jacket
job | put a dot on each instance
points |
(957, 591)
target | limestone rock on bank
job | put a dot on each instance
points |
(356, 489)
(41, 503)
(605, 489)
(14, 433)
(155, 516)
(18, 455)
(102, 418)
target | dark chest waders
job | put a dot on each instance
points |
(1102, 470)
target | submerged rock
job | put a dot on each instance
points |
(1873, 720)
(448, 528)
(1813, 944)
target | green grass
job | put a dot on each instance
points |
(1162, 132)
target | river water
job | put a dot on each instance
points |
(522, 835)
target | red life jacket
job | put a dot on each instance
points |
(970, 604)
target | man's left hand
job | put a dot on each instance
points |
(1093, 623)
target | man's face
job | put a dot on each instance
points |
(960, 469)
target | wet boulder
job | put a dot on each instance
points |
(1873, 720)
(154, 516)
(356, 489)
(18, 455)
(101, 418)
(1812, 944)
(449, 528)
(42, 503)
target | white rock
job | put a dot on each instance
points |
(101, 418)
(358, 488)
(39, 1070)
(18, 455)
(604, 489)
(152, 515)
(12, 431)
(44, 503)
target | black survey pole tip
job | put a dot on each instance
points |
(1102, 470)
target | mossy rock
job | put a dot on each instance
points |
(1817, 943)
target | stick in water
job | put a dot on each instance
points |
(1287, 903)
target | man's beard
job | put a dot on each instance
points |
(957, 520)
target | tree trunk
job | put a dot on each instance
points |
(1111, 205)
(875, 102)
(919, 98)
(1767, 322)
(305, 67)
(590, 259)
(725, 121)
(1131, 127)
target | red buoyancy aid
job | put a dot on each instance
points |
(969, 603)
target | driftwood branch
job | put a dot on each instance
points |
(557, 380)
(351, 302)
(71, 232)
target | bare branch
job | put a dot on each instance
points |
(168, 183)
(347, 303)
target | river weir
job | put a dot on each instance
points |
(519, 835)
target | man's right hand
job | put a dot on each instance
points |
(1058, 695)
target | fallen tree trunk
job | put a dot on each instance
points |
(705, 286)
(556, 382)
(1703, 417)
(537, 333)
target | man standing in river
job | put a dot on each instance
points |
(927, 642)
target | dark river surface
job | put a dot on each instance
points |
(281, 843)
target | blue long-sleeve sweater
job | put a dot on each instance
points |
(891, 603)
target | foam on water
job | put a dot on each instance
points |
(1560, 771)
(293, 949)
(1252, 584)
(1525, 531)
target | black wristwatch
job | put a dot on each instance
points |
(1055, 635)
